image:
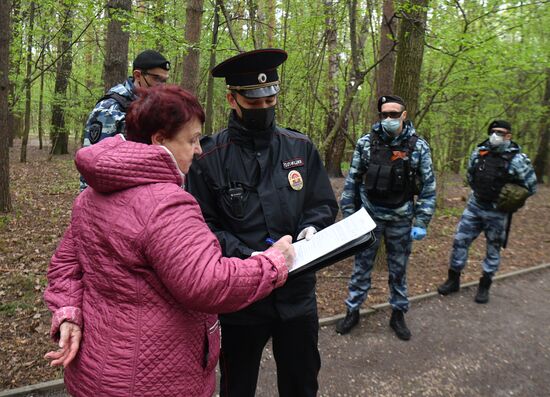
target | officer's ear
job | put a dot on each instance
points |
(404, 115)
(136, 74)
(231, 100)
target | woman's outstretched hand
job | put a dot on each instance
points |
(69, 343)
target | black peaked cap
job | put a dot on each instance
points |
(252, 72)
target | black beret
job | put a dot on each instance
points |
(150, 59)
(388, 99)
(252, 73)
(499, 124)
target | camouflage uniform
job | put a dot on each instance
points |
(108, 117)
(394, 223)
(483, 216)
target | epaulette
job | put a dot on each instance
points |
(293, 130)
(207, 143)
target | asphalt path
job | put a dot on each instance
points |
(458, 348)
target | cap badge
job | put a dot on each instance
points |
(383, 99)
(295, 180)
(262, 78)
(167, 66)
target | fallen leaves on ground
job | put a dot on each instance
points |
(43, 192)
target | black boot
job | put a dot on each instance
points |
(482, 295)
(397, 322)
(345, 325)
(451, 285)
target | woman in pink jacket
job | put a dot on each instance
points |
(137, 280)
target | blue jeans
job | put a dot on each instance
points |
(397, 237)
(474, 220)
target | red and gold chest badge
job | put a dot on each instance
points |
(295, 180)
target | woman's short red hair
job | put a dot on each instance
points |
(163, 108)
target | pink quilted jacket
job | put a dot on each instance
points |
(141, 273)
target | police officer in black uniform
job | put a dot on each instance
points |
(256, 182)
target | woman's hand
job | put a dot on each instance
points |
(69, 343)
(284, 244)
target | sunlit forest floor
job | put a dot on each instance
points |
(43, 191)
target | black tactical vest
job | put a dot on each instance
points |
(390, 178)
(490, 174)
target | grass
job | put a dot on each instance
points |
(23, 299)
(450, 211)
(4, 220)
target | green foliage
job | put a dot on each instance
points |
(483, 60)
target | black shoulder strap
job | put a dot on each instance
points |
(412, 144)
(374, 140)
(123, 102)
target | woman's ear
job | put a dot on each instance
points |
(157, 138)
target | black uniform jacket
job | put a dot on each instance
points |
(242, 184)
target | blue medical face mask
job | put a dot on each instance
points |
(391, 126)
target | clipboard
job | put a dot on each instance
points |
(334, 243)
(333, 257)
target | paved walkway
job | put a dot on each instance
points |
(458, 348)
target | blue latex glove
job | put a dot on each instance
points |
(418, 233)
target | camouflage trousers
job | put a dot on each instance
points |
(474, 220)
(397, 237)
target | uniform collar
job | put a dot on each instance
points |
(130, 86)
(509, 147)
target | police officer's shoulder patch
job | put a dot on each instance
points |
(95, 131)
(293, 130)
(207, 143)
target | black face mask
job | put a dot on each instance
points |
(257, 119)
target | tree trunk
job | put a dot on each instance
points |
(456, 153)
(210, 89)
(190, 64)
(41, 99)
(253, 24)
(115, 65)
(25, 138)
(386, 53)
(541, 159)
(410, 53)
(59, 135)
(386, 68)
(5, 33)
(336, 137)
(271, 21)
(14, 120)
(331, 33)
(160, 6)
